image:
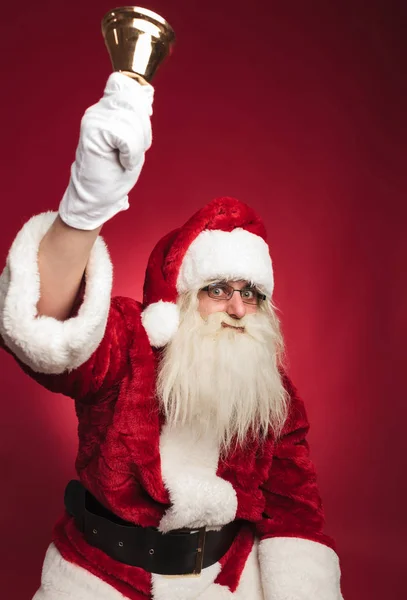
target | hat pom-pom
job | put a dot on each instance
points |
(161, 322)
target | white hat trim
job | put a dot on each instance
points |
(231, 255)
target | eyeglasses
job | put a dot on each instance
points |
(223, 291)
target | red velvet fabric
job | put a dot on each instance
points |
(134, 583)
(119, 461)
(164, 264)
(293, 506)
(223, 214)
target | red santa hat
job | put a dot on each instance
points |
(225, 240)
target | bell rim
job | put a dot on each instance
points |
(115, 15)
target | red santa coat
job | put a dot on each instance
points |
(153, 476)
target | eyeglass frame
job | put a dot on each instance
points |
(260, 297)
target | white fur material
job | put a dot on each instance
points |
(62, 580)
(44, 343)
(185, 588)
(161, 321)
(249, 587)
(232, 255)
(298, 569)
(198, 496)
(203, 588)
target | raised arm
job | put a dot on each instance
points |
(115, 134)
(55, 291)
(62, 258)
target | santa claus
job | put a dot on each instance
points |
(194, 476)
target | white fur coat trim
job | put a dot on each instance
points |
(230, 255)
(43, 343)
(198, 498)
(62, 580)
(203, 588)
(298, 569)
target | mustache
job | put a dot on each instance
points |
(217, 318)
(221, 322)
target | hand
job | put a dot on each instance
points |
(115, 134)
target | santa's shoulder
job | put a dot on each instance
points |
(129, 311)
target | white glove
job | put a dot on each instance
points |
(115, 134)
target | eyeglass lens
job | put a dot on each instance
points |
(225, 292)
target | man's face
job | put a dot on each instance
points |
(234, 307)
(220, 372)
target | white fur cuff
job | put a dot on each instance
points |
(43, 343)
(298, 569)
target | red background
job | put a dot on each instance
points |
(297, 108)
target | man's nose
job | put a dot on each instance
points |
(236, 308)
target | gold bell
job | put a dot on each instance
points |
(138, 40)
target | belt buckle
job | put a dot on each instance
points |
(199, 552)
(199, 556)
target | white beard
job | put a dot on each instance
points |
(223, 379)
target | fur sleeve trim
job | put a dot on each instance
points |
(298, 569)
(43, 343)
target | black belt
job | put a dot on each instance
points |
(178, 552)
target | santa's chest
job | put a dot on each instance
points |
(123, 434)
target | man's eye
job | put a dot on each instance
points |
(249, 294)
(219, 291)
